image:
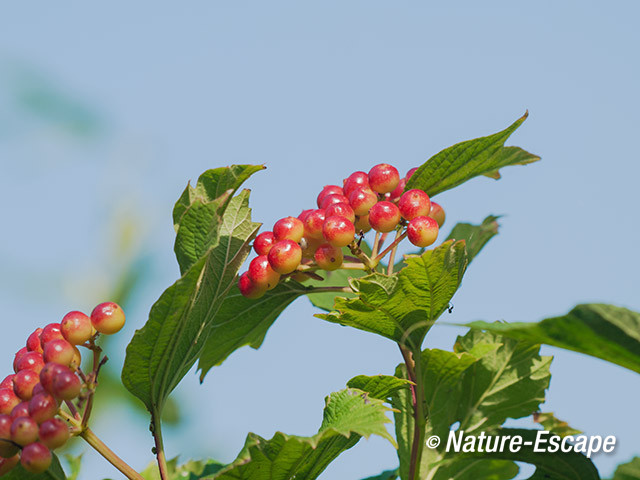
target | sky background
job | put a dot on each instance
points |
(107, 111)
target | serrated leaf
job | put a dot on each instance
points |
(386, 475)
(554, 425)
(466, 160)
(475, 236)
(348, 415)
(379, 386)
(403, 307)
(603, 331)
(55, 472)
(628, 471)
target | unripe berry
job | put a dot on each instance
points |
(411, 172)
(384, 216)
(107, 318)
(285, 256)
(33, 341)
(54, 433)
(42, 407)
(328, 257)
(248, 288)
(383, 178)
(7, 447)
(77, 358)
(328, 190)
(362, 224)
(76, 328)
(7, 464)
(19, 354)
(361, 200)
(397, 192)
(331, 199)
(313, 225)
(20, 410)
(58, 351)
(8, 381)
(414, 203)
(50, 332)
(288, 228)
(422, 231)
(341, 210)
(437, 213)
(35, 458)
(338, 231)
(48, 373)
(24, 430)
(263, 243)
(66, 385)
(30, 361)
(23, 383)
(8, 401)
(261, 273)
(355, 180)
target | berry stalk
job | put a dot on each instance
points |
(110, 456)
(156, 430)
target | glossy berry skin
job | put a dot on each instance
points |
(422, 231)
(24, 382)
(66, 385)
(54, 433)
(285, 256)
(8, 401)
(8, 381)
(313, 225)
(383, 178)
(263, 243)
(384, 216)
(261, 273)
(49, 371)
(361, 200)
(328, 190)
(332, 199)
(338, 231)
(342, 210)
(52, 331)
(397, 192)
(35, 458)
(303, 215)
(42, 407)
(30, 361)
(248, 288)
(58, 351)
(7, 464)
(7, 447)
(108, 318)
(33, 341)
(19, 354)
(24, 430)
(437, 213)
(76, 328)
(288, 228)
(414, 203)
(328, 257)
(20, 410)
(362, 224)
(355, 180)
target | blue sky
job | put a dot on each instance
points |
(316, 91)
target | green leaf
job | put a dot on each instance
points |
(180, 322)
(348, 415)
(463, 468)
(628, 471)
(386, 475)
(603, 331)
(379, 386)
(463, 161)
(55, 472)
(403, 307)
(554, 425)
(191, 470)
(75, 465)
(475, 236)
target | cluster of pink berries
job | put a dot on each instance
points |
(47, 373)
(374, 200)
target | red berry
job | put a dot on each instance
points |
(338, 231)
(8, 381)
(342, 210)
(288, 228)
(328, 257)
(33, 341)
(397, 193)
(437, 213)
(328, 190)
(76, 328)
(47, 374)
(384, 216)
(24, 430)
(38, 389)
(7, 447)
(285, 256)
(19, 354)
(383, 178)
(23, 383)
(361, 200)
(7, 464)
(355, 180)
(304, 214)
(414, 203)
(263, 243)
(248, 288)
(107, 318)
(261, 273)
(422, 231)
(331, 199)
(59, 351)
(411, 172)
(30, 361)
(66, 385)
(54, 433)
(42, 407)
(20, 410)
(50, 332)
(313, 225)
(8, 400)
(35, 458)
(362, 224)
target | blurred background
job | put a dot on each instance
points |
(107, 111)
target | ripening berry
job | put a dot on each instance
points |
(7, 447)
(54, 433)
(248, 288)
(19, 354)
(76, 328)
(108, 318)
(288, 228)
(362, 224)
(66, 385)
(38, 389)
(328, 190)
(8, 381)
(411, 172)
(355, 180)
(23, 383)
(383, 178)
(261, 273)
(303, 215)
(33, 341)
(50, 332)
(338, 231)
(331, 199)
(309, 247)
(47, 374)
(20, 410)
(77, 358)
(8, 401)
(397, 193)
(328, 257)
(58, 351)
(285, 256)
(263, 243)
(7, 464)
(414, 203)
(24, 430)
(30, 361)
(384, 216)
(313, 225)
(342, 210)
(437, 213)
(361, 200)
(42, 407)
(35, 458)
(422, 231)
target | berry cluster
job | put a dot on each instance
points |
(315, 238)
(48, 374)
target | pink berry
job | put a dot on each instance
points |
(362, 224)
(58, 351)
(263, 243)
(383, 178)
(422, 231)
(66, 385)
(24, 430)
(42, 407)
(361, 200)
(328, 190)
(50, 332)
(261, 273)
(48, 373)
(355, 180)
(248, 288)
(288, 228)
(328, 257)
(76, 328)
(414, 203)
(437, 213)
(331, 199)
(36, 458)
(30, 361)
(19, 354)
(384, 216)
(285, 256)
(23, 383)
(54, 433)
(313, 225)
(108, 318)
(20, 410)
(338, 231)
(8, 381)
(8, 401)
(33, 341)
(397, 193)
(342, 210)
(7, 447)
(7, 464)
